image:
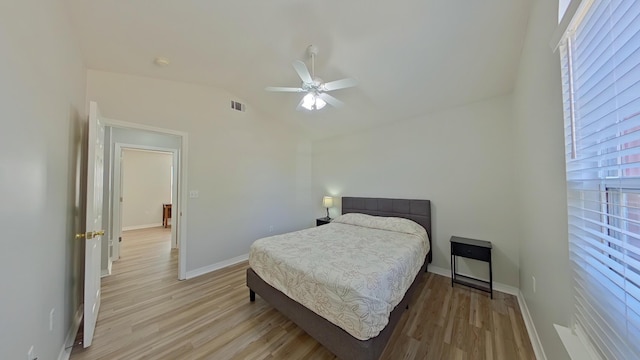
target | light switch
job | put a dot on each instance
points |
(194, 194)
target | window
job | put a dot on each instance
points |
(600, 58)
(623, 216)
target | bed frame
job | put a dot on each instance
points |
(334, 338)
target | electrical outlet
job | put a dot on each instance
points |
(533, 278)
(194, 194)
(51, 313)
(271, 228)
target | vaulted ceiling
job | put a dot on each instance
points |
(410, 57)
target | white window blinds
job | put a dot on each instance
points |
(600, 57)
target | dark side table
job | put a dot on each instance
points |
(471, 249)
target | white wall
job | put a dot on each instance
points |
(42, 112)
(251, 172)
(146, 185)
(461, 159)
(544, 249)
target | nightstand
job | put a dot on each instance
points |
(323, 221)
(471, 249)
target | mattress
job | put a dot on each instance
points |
(353, 271)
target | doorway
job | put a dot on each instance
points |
(145, 186)
(124, 136)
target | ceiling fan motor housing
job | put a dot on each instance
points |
(316, 85)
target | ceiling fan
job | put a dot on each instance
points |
(316, 97)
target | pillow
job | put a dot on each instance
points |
(384, 223)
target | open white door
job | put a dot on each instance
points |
(94, 232)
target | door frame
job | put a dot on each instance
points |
(178, 212)
(116, 195)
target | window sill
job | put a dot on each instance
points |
(575, 345)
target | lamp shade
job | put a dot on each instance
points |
(327, 201)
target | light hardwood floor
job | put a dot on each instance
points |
(147, 313)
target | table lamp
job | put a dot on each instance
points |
(327, 202)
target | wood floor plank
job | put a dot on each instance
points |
(146, 313)
(488, 343)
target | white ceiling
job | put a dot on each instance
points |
(410, 56)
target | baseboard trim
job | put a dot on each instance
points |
(531, 328)
(138, 227)
(507, 289)
(65, 352)
(504, 288)
(217, 266)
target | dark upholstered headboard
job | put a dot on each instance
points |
(416, 210)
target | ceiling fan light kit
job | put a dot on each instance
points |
(312, 101)
(316, 89)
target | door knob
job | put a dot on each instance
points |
(90, 234)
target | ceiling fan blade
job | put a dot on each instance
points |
(331, 100)
(303, 72)
(339, 84)
(283, 89)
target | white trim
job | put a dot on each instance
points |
(107, 271)
(507, 289)
(538, 350)
(217, 266)
(180, 213)
(574, 345)
(65, 352)
(138, 227)
(115, 196)
(129, 125)
(108, 198)
(439, 271)
(504, 288)
(569, 21)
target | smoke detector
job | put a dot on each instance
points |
(161, 61)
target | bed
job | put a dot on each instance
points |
(349, 339)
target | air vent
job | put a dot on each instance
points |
(238, 106)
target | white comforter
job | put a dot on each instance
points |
(353, 271)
